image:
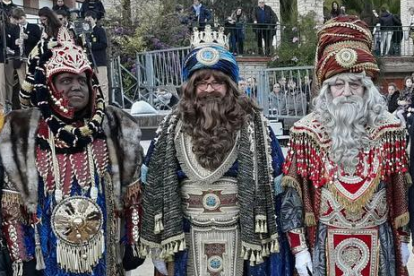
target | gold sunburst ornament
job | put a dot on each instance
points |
(77, 223)
(346, 57)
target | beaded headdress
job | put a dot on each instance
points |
(345, 45)
(209, 51)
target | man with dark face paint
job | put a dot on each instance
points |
(211, 177)
(71, 173)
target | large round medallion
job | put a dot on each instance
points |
(77, 220)
(208, 56)
(346, 57)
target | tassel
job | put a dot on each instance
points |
(243, 251)
(40, 262)
(252, 259)
(181, 246)
(257, 228)
(246, 255)
(18, 268)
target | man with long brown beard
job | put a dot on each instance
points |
(345, 174)
(209, 189)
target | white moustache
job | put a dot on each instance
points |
(348, 100)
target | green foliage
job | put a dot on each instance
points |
(298, 46)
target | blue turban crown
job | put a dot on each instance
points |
(213, 57)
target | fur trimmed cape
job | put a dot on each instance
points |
(18, 151)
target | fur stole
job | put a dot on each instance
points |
(18, 151)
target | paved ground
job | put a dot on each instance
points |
(147, 268)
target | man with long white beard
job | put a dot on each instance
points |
(208, 201)
(345, 202)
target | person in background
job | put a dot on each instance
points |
(50, 23)
(405, 100)
(8, 6)
(265, 20)
(334, 9)
(98, 44)
(387, 23)
(342, 11)
(239, 19)
(60, 6)
(181, 15)
(277, 101)
(296, 102)
(63, 17)
(199, 15)
(29, 36)
(93, 5)
(392, 97)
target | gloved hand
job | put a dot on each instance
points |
(303, 263)
(160, 266)
(405, 253)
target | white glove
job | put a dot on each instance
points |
(160, 266)
(405, 253)
(303, 263)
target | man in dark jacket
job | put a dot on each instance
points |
(29, 35)
(93, 5)
(8, 50)
(199, 15)
(392, 97)
(98, 43)
(60, 5)
(265, 19)
(7, 6)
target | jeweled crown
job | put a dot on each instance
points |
(208, 37)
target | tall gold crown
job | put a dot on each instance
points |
(208, 37)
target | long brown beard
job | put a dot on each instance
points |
(212, 120)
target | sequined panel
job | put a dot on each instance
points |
(214, 251)
(352, 252)
(373, 214)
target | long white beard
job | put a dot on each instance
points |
(347, 130)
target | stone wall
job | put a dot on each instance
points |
(305, 6)
(405, 20)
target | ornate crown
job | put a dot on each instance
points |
(208, 37)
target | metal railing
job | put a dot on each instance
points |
(282, 93)
(392, 41)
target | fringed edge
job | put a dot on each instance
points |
(357, 204)
(288, 181)
(255, 253)
(261, 224)
(310, 219)
(145, 246)
(17, 268)
(168, 247)
(402, 220)
(158, 225)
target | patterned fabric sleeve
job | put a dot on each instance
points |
(292, 220)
